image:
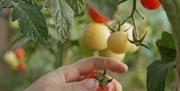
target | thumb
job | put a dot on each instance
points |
(85, 85)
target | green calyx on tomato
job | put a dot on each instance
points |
(138, 41)
(102, 79)
(105, 82)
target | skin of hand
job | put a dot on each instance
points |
(66, 77)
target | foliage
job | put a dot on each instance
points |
(31, 22)
(158, 70)
(157, 73)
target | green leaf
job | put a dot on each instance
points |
(31, 22)
(167, 40)
(34, 2)
(63, 16)
(105, 7)
(77, 5)
(166, 53)
(166, 46)
(157, 73)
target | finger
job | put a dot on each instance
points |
(117, 85)
(74, 71)
(85, 85)
(89, 64)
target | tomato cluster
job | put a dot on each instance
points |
(16, 59)
(151, 4)
(98, 37)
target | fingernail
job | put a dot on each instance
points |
(91, 83)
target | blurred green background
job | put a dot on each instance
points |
(40, 59)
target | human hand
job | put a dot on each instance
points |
(66, 78)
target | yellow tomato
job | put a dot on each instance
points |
(11, 59)
(118, 42)
(95, 36)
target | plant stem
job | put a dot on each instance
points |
(172, 8)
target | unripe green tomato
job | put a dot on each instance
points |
(110, 54)
(14, 24)
(95, 36)
(11, 59)
(118, 42)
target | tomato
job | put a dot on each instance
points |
(95, 36)
(151, 4)
(20, 53)
(96, 16)
(11, 59)
(118, 42)
(110, 54)
(109, 87)
(21, 67)
(14, 24)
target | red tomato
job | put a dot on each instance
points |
(109, 87)
(150, 4)
(96, 16)
(21, 67)
(20, 53)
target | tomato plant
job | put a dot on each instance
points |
(46, 29)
